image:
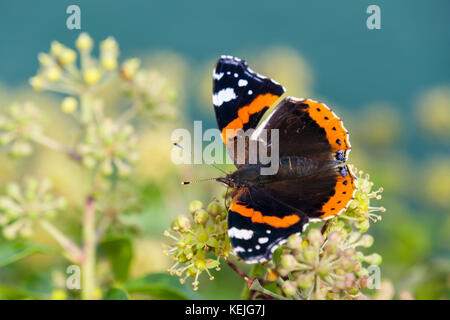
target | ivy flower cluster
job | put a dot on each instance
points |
(103, 96)
(21, 206)
(18, 127)
(59, 70)
(194, 238)
(330, 265)
(80, 76)
(109, 146)
(325, 268)
(360, 213)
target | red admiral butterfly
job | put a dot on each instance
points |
(310, 185)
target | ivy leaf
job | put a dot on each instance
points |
(13, 251)
(11, 293)
(119, 251)
(161, 286)
(115, 293)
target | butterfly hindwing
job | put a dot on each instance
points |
(321, 194)
(240, 98)
(257, 225)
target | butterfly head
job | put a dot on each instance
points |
(228, 181)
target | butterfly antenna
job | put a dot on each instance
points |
(195, 181)
(211, 164)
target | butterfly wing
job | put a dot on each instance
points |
(312, 144)
(240, 98)
(257, 225)
(307, 129)
(320, 195)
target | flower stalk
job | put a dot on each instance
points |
(89, 249)
(71, 251)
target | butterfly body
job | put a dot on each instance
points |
(311, 182)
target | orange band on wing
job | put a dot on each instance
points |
(344, 189)
(258, 217)
(337, 135)
(258, 104)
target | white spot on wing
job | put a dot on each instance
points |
(223, 96)
(263, 240)
(239, 249)
(218, 76)
(240, 233)
(242, 82)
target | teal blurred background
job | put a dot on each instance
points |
(391, 87)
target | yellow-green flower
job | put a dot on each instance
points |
(67, 56)
(130, 68)
(21, 206)
(37, 82)
(110, 146)
(192, 238)
(91, 76)
(69, 105)
(84, 42)
(18, 127)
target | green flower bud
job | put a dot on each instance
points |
(347, 264)
(335, 236)
(200, 264)
(331, 247)
(194, 206)
(373, 259)
(310, 254)
(294, 242)
(364, 281)
(305, 280)
(366, 241)
(323, 270)
(289, 288)
(214, 209)
(315, 238)
(353, 237)
(288, 261)
(363, 226)
(349, 253)
(181, 223)
(201, 216)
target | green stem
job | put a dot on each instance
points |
(258, 287)
(88, 265)
(71, 251)
(86, 108)
(129, 114)
(57, 146)
(246, 292)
